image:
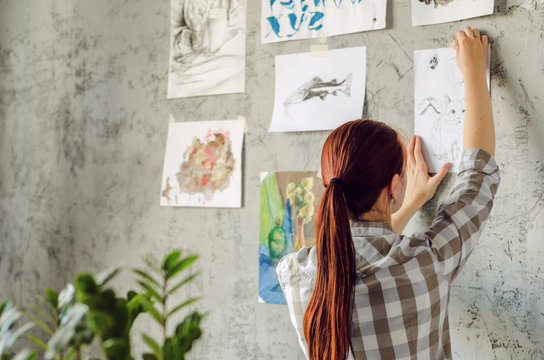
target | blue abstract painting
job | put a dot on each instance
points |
(302, 19)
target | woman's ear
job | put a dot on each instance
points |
(395, 187)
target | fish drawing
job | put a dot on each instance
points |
(319, 88)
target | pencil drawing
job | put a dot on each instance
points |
(436, 2)
(207, 48)
(317, 88)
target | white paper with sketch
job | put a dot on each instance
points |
(207, 47)
(426, 12)
(319, 93)
(302, 19)
(203, 164)
(439, 106)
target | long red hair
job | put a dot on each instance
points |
(365, 155)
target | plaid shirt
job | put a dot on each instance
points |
(400, 305)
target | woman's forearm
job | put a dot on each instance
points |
(479, 128)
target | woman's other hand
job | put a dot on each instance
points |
(420, 187)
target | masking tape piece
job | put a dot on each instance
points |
(319, 50)
(244, 122)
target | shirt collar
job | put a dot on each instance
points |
(370, 228)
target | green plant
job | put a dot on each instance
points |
(160, 284)
(89, 309)
(9, 333)
(111, 317)
(47, 314)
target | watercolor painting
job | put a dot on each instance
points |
(319, 93)
(439, 106)
(426, 12)
(202, 165)
(302, 19)
(207, 47)
(288, 201)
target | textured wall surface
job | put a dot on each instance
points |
(84, 119)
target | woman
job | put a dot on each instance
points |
(365, 291)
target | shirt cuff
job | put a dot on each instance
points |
(476, 159)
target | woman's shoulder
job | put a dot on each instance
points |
(297, 266)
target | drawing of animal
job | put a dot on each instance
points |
(317, 88)
(447, 129)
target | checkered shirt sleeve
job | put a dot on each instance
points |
(462, 215)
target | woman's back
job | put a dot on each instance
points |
(401, 294)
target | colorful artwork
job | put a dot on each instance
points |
(207, 47)
(319, 93)
(202, 165)
(425, 12)
(288, 202)
(302, 19)
(439, 106)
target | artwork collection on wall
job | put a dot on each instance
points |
(203, 159)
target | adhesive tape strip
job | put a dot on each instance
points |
(244, 122)
(320, 49)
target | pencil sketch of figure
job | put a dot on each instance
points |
(318, 88)
(207, 47)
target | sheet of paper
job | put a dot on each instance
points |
(288, 201)
(439, 106)
(207, 47)
(303, 19)
(319, 93)
(425, 12)
(203, 164)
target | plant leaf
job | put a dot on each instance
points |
(150, 261)
(148, 356)
(184, 263)
(157, 350)
(26, 354)
(170, 260)
(183, 282)
(41, 324)
(182, 305)
(117, 349)
(85, 282)
(38, 341)
(103, 277)
(52, 296)
(146, 276)
(152, 292)
(70, 354)
(47, 317)
(149, 308)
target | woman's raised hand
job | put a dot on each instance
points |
(471, 50)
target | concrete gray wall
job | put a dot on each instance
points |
(84, 119)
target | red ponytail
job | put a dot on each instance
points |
(365, 155)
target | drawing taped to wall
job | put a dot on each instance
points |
(301, 19)
(207, 47)
(425, 12)
(287, 208)
(202, 165)
(439, 106)
(319, 93)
